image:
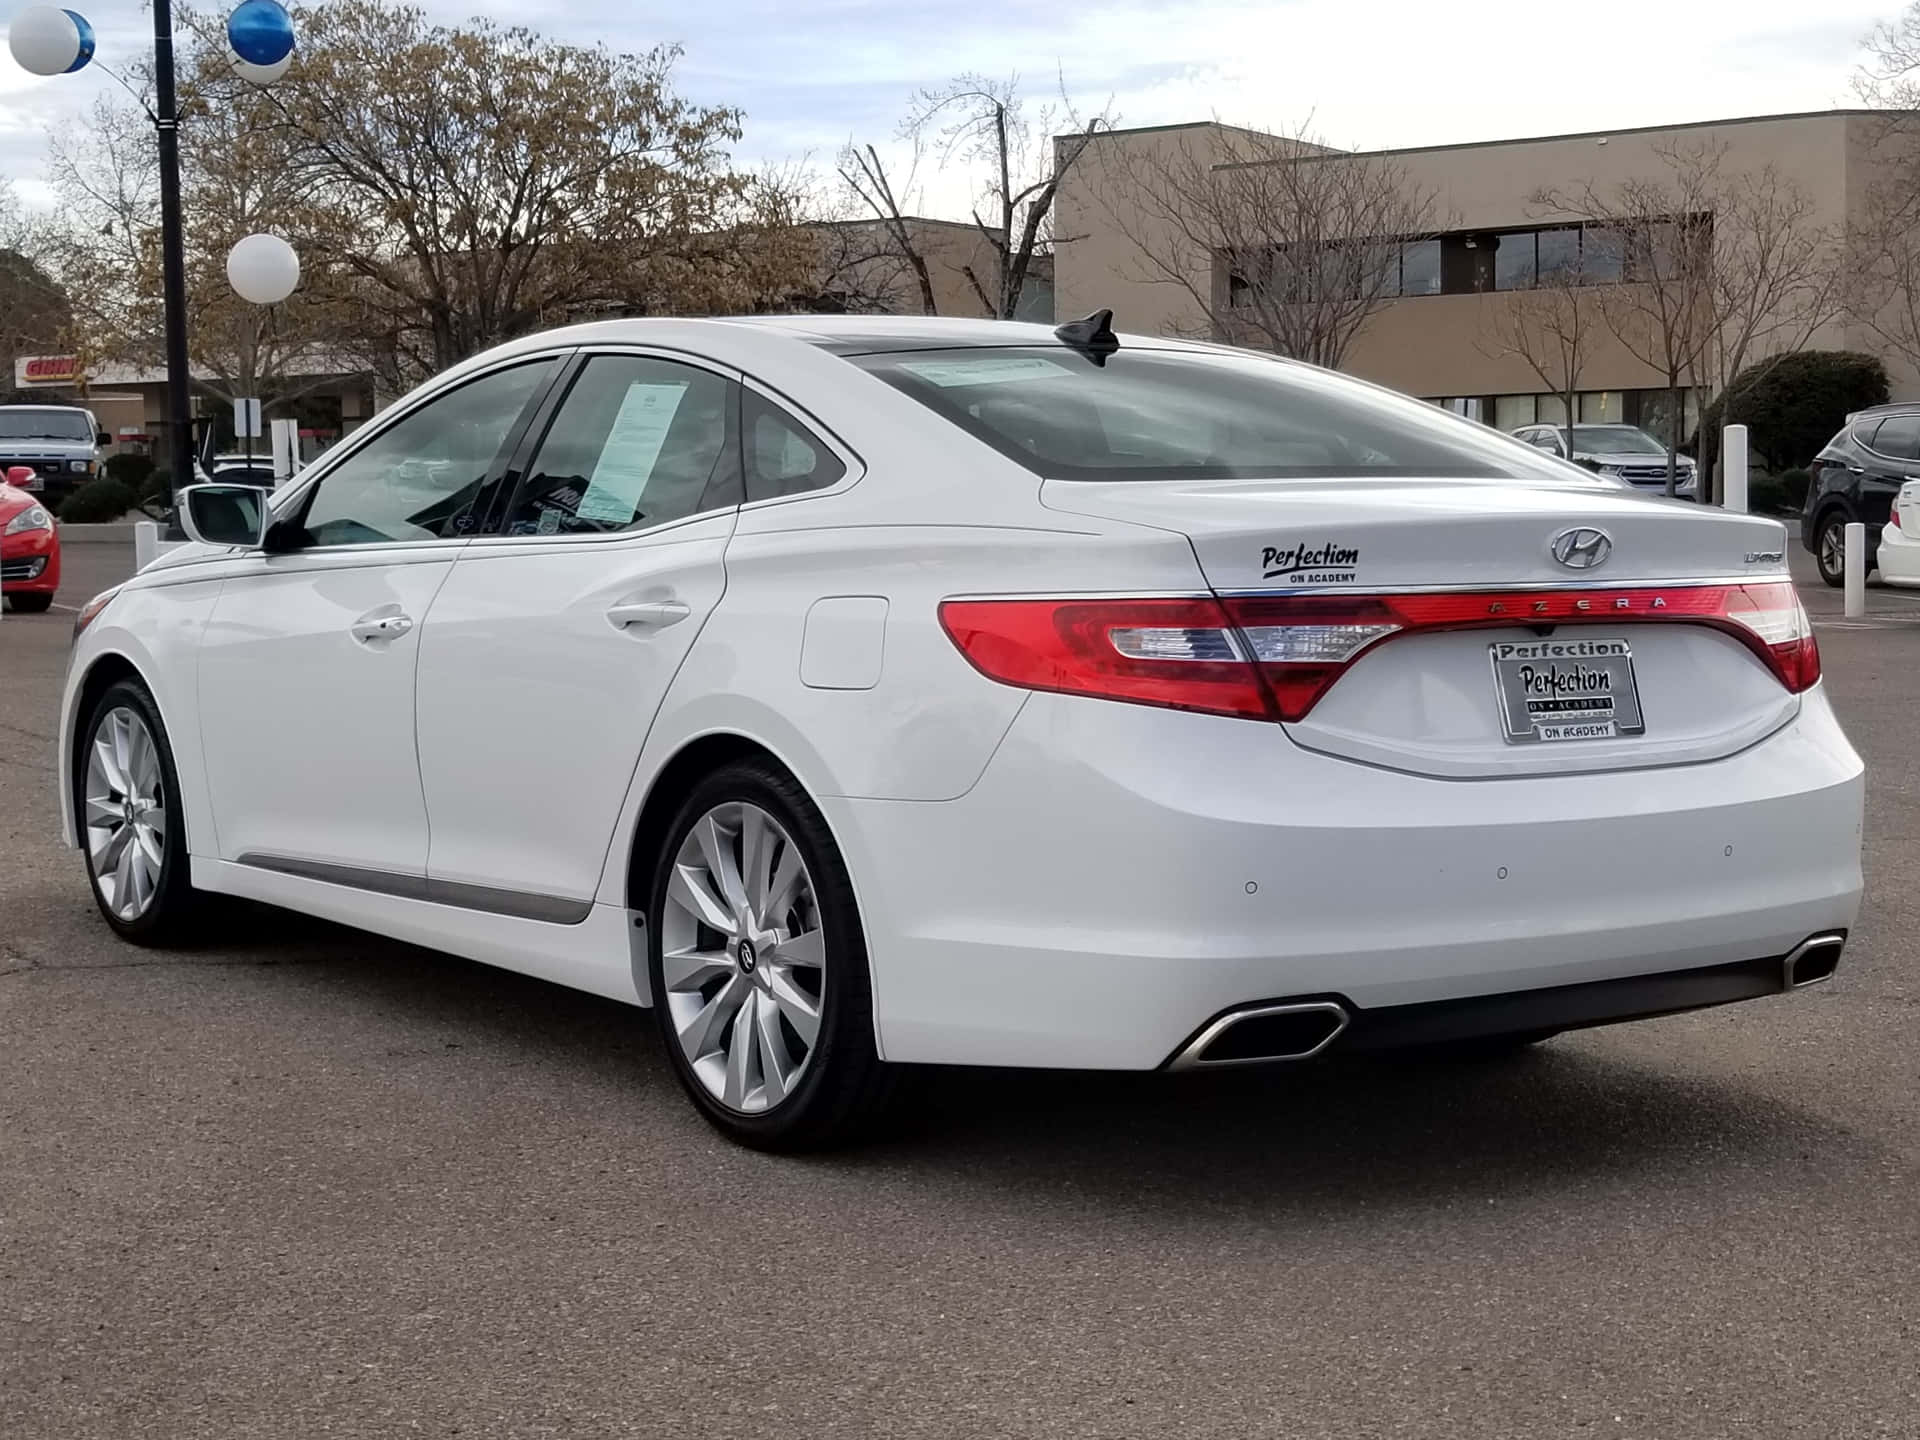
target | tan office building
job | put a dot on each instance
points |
(1434, 336)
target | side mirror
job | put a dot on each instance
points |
(224, 514)
(103, 438)
(20, 475)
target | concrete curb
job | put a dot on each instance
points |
(119, 532)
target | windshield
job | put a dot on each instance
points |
(1178, 415)
(44, 425)
(1615, 440)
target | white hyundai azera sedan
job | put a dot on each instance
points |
(859, 692)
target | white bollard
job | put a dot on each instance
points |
(149, 544)
(1733, 465)
(286, 450)
(1856, 571)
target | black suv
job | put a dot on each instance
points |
(1855, 478)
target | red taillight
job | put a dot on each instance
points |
(1212, 656)
(1177, 653)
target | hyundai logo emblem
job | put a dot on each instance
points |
(1582, 547)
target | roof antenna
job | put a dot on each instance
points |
(1092, 336)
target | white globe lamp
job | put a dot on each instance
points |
(47, 40)
(263, 269)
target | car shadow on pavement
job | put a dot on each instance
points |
(1389, 1131)
(1386, 1130)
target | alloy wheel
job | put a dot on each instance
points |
(1833, 548)
(743, 957)
(126, 813)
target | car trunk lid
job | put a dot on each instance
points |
(1496, 628)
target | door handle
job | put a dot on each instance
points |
(386, 627)
(647, 614)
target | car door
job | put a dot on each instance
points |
(555, 638)
(306, 666)
(1890, 457)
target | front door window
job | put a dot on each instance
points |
(427, 476)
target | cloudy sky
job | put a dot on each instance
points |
(812, 73)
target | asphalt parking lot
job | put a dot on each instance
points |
(302, 1181)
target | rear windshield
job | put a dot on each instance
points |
(44, 425)
(1175, 415)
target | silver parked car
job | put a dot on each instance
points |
(1620, 452)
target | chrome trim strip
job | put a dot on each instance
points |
(1189, 1056)
(550, 909)
(1756, 577)
(1798, 953)
(1086, 595)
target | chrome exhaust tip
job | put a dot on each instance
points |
(1813, 960)
(1263, 1034)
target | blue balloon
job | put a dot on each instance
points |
(85, 31)
(261, 32)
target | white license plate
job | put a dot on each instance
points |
(1551, 690)
(35, 482)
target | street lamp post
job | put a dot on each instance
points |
(47, 40)
(173, 256)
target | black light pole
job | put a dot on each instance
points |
(173, 257)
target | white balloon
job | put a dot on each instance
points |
(263, 269)
(45, 40)
(260, 74)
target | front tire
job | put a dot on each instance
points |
(31, 604)
(128, 812)
(758, 966)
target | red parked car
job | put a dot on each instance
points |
(29, 546)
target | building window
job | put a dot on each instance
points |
(1515, 263)
(1651, 411)
(1602, 407)
(1510, 412)
(1603, 253)
(1559, 253)
(1420, 267)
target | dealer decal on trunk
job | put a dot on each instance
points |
(1328, 564)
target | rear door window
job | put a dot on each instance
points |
(638, 442)
(1170, 415)
(1899, 437)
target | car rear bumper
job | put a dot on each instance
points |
(1121, 875)
(1899, 556)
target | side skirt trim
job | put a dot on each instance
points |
(552, 909)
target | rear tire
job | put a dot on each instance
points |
(758, 966)
(31, 604)
(127, 809)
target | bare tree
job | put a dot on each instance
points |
(1277, 239)
(1717, 267)
(1776, 278)
(1551, 328)
(986, 128)
(866, 176)
(1648, 244)
(1883, 245)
